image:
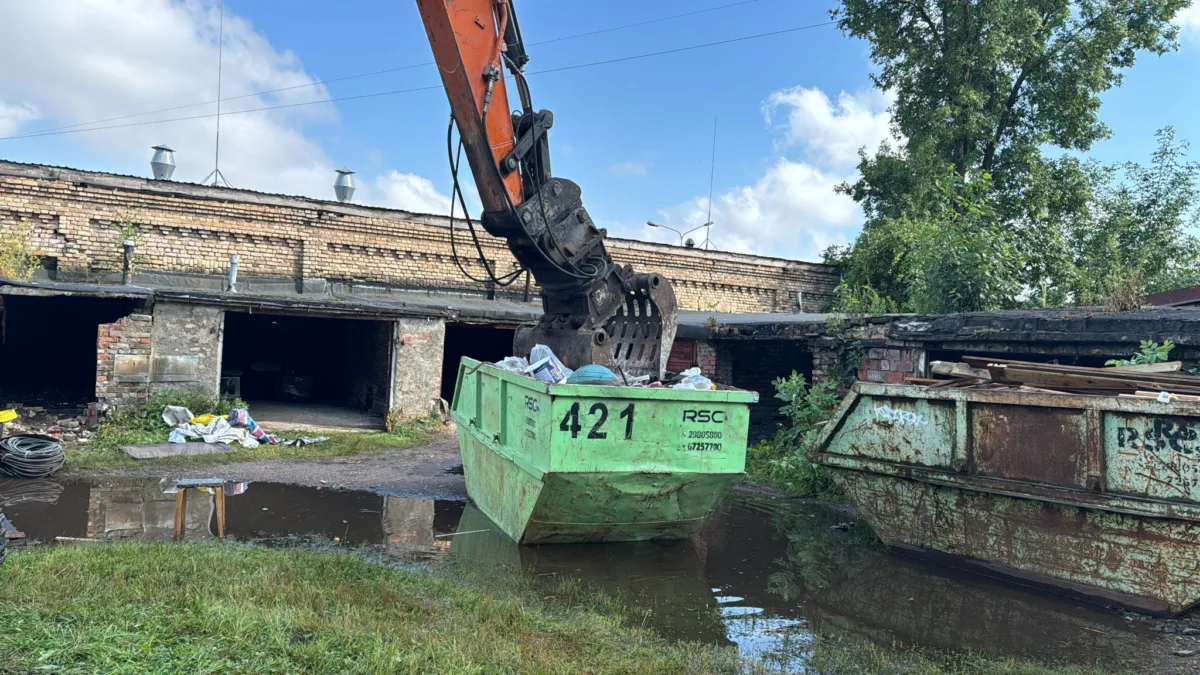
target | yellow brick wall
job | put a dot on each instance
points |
(81, 219)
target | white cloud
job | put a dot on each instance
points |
(12, 115)
(831, 134)
(410, 192)
(85, 60)
(792, 210)
(1189, 20)
(630, 169)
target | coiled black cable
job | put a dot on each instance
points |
(30, 456)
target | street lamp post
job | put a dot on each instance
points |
(651, 223)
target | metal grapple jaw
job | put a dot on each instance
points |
(629, 329)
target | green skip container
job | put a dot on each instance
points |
(568, 463)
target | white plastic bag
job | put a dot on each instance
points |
(513, 364)
(545, 366)
(695, 382)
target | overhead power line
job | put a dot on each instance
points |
(373, 73)
(339, 99)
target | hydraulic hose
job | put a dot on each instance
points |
(30, 456)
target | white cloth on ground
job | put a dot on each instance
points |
(216, 431)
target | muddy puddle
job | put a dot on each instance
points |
(765, 574)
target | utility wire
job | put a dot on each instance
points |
(378, 72)
(416, 89)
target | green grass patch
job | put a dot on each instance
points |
(203, 608)
(143, 425)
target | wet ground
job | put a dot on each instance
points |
(766, 574)
(430, 470)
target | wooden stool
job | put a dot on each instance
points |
(182, 486)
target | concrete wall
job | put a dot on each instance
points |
(186, 352)
(78, 219)
(417, 374)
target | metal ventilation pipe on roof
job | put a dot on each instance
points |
(127, 263)
(343, 187)
(233, 270)
(163, 162)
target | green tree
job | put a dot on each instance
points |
(981, 87)
(1138, 225)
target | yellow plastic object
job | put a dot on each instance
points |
(7, 416)
(203, 419)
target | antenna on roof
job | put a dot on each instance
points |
(218, 178)
(712, 172)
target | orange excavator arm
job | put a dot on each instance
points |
(594, 311)
(467, 38)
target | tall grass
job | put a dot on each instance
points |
(159, 608)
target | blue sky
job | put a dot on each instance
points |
(791, 109)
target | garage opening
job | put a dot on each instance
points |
(756, 364)
(485, 343)
(303, 371)
(48, 347)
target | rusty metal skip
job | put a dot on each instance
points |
(1093, 496)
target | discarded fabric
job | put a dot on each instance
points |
(236, 427)
(241, 417)
(593, 374)
(218, 430)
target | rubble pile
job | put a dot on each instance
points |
(66, 424)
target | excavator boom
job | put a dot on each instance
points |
(594, 311)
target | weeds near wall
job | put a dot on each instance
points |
(783, 461)
(143, 424)
(126, 224)
(1148, 352)
(17, 262)
(1125, 290)
(850, 352)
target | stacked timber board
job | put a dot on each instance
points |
(1145, 381)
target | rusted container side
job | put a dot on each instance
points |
(1091, 495)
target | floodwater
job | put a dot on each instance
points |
(766, 574)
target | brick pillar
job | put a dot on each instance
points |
(123, 361)
(706, 358)
(417, 370)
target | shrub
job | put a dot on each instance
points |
(783, 461)
(16, 261)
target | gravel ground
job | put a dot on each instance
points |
(431, 470)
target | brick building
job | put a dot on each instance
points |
(345, 305)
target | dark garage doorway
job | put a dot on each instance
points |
(304, 371)
(485, 343)
(756, 365)
(48, 347)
